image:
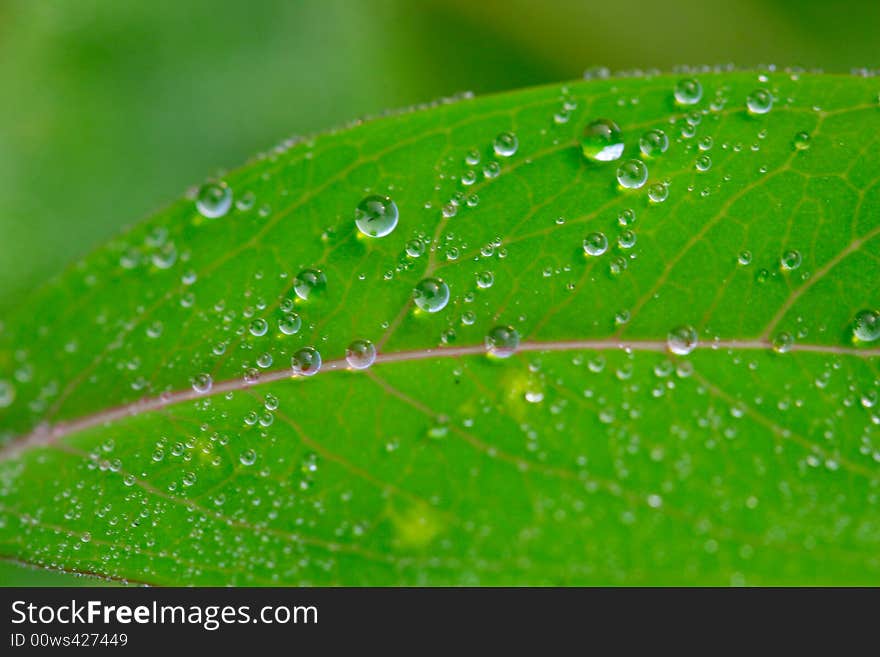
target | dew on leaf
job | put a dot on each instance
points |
(201, 383)
(309, 282)
(431, 295)
(7, 393)
(213, 200)
(289, 323)
(485, 279)
(595, 244)
(502, 341)
(866, 326)
(505, 144)
(682, 340)
(632, 174)
(415, 248)
(658, 192)
(688, 91)
(653, 143)
(626, 239)
(802, 141)
(376, 216)
(258, 327)
(744, 258)
(790, 260)
(703, 163)
(759, 101)
(306, 362)
(248, 457)
(360, 354)
(782, 342)
(602, 141)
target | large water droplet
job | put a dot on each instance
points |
(602, 141)
(376, 216)
(308, 282)
(431, 295)
(682, 340)
(632, 174)
(502, 341)
(306, 361)
(759, 101)
(213, 200)
(595, 244)
(866, 327)
(360, 354)
(688, 91)
(202, 383)
(505, 144)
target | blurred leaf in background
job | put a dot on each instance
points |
(112, 107)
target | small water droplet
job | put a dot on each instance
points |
(658, 192)
(290, 323)
(703, 163)
(248, 457)
(7, 394)
(258, 327)
(485, 279)
(790, 260)
(782, 343)
(802, 141)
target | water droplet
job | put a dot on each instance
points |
(627, 239)
(744, 258)
(602, 141)
(308, 282)
(682, 340)
(431, 295)
(759, 101)
(658, 192)
(258, 327)
(505, 144)
(485, 279)
(688, 91)
(654, 143)
(415, 248)
(790, 260)
(306, 361)
(703, 163)
(802, 141)
(632, 174)
(202, 383)
(595, 244)
(7, 394)
(502, 341)
(290, 323)
(248, 457)
(213, 200)
(189, 478)
(782, 343)
(866, 327)
(376, 216)
(360, 354)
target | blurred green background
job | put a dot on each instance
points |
(112, 108)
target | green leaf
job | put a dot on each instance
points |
(599, 453)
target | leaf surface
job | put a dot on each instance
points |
(153, 431)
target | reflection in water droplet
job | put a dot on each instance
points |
(505, 144)
(595, 244)
(290, 323)
(688, 91)
(682, 340)
(502, 341)
(376, 216)
(759, 101)
(360, 354)
(866, 327)
(602, 141)
(213, 200)
(431, 295)
(306, 362)
(309, 282)
(202, 383)
(632, 174)
(654, 143)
